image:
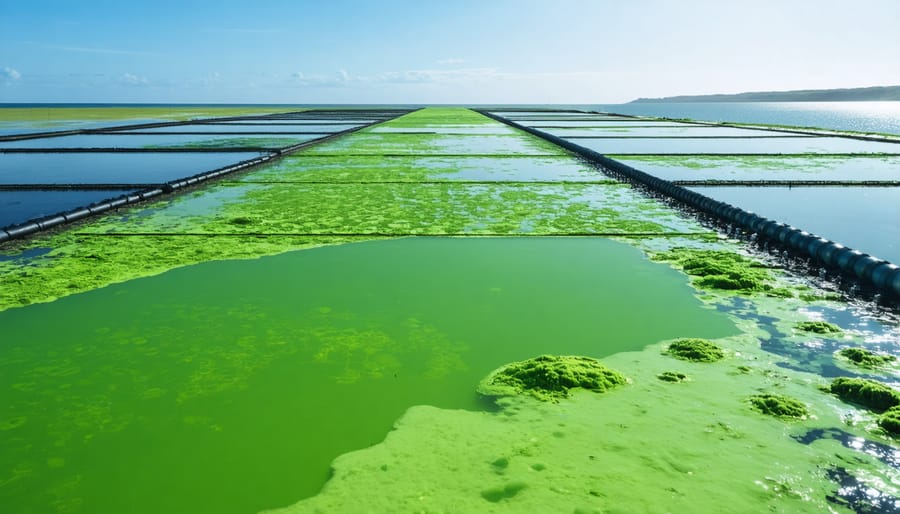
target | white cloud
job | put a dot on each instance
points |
(10, 74)
(451, 60)
(134, 80)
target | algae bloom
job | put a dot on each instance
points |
(695, 350)
(549, 378)
(720, 269)
(866, 359)
(779, 406)
(817, 327)
(890, 421)
(672, 376)
(868, 393)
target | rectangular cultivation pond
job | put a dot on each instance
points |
(439, 312)
(144, 141)
(110, 168)
(859, 217)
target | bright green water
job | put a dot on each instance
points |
(228, 387)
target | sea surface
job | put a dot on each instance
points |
(883, 117)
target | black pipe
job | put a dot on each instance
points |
(862, 266)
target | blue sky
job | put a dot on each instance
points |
(433, 51)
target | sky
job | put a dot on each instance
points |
(438, 51)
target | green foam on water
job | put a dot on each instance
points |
(341, 168)
(420, 209)
(649, 446)
(51, 116)
(210, 383)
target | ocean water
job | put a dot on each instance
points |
(881, 117)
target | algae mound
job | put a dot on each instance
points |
(818, 327)
(720, 269)
(549, 378)
(868, 393)
(779, 406)
(672, 376)
(866, 359)
(695, 350)
(890, 421)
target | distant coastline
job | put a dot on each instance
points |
(860, 94)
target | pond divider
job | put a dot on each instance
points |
(636, 235)
(786, 183)
(872, 271)
(54, 220)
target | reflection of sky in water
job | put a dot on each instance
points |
(221, 127)
(604, 124)
(858, 116)
(26, 255)
(863, 218)
(626, 130)
(111, 168)
(20, 206)
(141, 141)
(26, 127)
(776, 145)
(768, 168)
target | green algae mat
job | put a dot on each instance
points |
(186, 356)
(232, 385)
(52, 116)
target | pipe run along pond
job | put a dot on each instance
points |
(312, 336)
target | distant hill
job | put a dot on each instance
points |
(859, 94)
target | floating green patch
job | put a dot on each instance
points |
(380, 143)
(440, 116)
(81, 263)
(550, 378)
(695, 350)
(234, 142)
(362, 168)
(779, 406)
(49, 116)
(723, 270)
(672, 376)
(818, 327)
(404, 209)
(868, 393)
(865, 358)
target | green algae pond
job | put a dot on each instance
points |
(314, 335)
(237, 382)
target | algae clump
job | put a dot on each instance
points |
(549, 378)
(720, 269)
(818, 327)
(779, 406)
(672, 376)
(866, 359)
(695, 350)
(868, 393)
(890, 421)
